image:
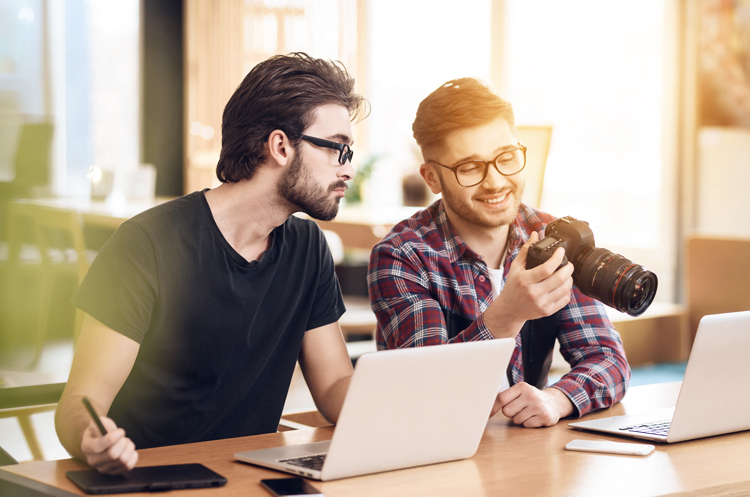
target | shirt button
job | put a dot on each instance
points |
(482, 278)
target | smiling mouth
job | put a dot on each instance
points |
(496, 200)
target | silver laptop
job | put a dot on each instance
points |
(713, 398)
(404, 408)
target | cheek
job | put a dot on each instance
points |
(519, 182)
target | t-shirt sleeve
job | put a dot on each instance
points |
(121, 286)
(328, 305)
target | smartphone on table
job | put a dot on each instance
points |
(607, 447)
(290, 487)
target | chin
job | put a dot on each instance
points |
(496, 219)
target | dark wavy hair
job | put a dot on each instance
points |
(458, 104)
(280, 93)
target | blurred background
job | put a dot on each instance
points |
(636, 114)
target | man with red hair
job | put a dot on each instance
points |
(456, 271)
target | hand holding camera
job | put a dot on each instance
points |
(599, 273)
(529, 294)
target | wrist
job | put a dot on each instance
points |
(563, 405)
(501, 326)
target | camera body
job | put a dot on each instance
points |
(566, 232)
(599, 273)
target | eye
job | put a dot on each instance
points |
(505, 158)
(470, 167)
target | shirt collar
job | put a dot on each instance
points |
(454, 245)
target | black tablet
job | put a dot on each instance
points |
(147, 479)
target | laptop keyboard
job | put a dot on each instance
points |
(314, 462)
(660, 428)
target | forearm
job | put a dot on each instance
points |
(599, 372)
(102, 362)
(331, 402)
(71, 420)
(562, 404)
(422, 324)
(598, 382)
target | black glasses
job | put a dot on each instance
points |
(507, 163)
(345, 151)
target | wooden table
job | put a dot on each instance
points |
(510, 461)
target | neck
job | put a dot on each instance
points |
(246, 213)
(489, 242)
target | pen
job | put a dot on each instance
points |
(94, 416)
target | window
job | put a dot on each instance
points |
(414, 48)
(601, 75)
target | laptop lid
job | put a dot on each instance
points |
(711, 400)
(409, 407)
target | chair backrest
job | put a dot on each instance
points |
(22, 243)
(537, 139)
(33, 154)
(60, 231)
(717, 277)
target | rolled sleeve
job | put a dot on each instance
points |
(600, 373)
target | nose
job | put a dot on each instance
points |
(346, 172)
(494, 179)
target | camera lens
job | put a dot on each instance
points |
(615, 280)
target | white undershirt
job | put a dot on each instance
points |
(496, 279)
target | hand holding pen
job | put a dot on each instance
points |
(105, 446)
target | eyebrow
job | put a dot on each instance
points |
(341, 138)
(472, 157)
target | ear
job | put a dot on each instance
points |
(280, 149)
(431, 178)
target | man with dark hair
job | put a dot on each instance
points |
(456, 272)
(197, 310)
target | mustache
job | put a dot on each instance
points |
(337, 185)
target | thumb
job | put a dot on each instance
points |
(522, 254)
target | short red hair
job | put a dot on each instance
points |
(458, 104)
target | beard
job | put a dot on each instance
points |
(467, 212)
(300, 190)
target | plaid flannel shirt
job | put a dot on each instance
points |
(422, 267)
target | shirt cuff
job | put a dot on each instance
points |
(576, 394)
(480, 332)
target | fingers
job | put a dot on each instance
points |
(548, 268)
(112, 453)
(122, 458)
(496, 406)
(525, 405)
(523, 253)
(529, 294)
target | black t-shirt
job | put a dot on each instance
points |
(219, 335)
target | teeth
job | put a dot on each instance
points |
(496, 200)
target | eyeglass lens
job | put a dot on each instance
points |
(345, 154)
(507, 163)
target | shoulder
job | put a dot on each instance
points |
(530, 219)
(419, 232)
(165, 224)
(182, 207)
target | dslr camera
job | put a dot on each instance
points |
(603, 275)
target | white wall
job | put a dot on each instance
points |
(723, 182)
